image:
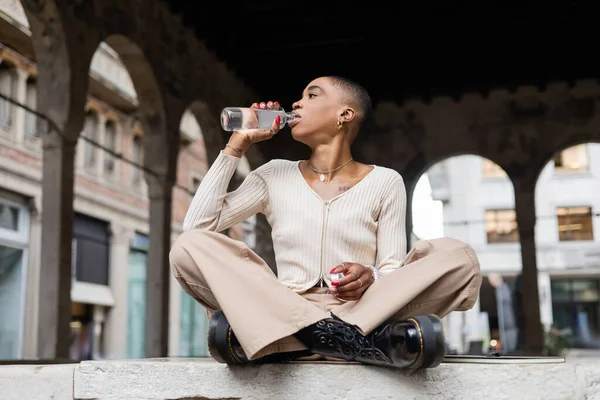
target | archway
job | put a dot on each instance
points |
(126, 139)
(567, 197)
(470, 198)
(110, 215)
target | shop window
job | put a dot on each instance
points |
(14, 240)
(136, 296)
(194, 328)
(576, 310)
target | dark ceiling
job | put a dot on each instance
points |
(422, 48)
(396, 50)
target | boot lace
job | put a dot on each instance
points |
(348, 341)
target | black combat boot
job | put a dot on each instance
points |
(417, 342)
(224, 347)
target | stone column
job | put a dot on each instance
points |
(54, 309)
(115, 337)
(161, 147)
(19, 112)
(532, 340)
(98, 315)
(159, 274)
(33, 283)
(63, 76)
(175, 293)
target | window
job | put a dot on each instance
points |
(492, 170)
(573, 159)
(110, 141)
(9, 217)
(8, 80)
(136, 296)
(31, 102)
(576, 308)
(137, 156)
(194, 328)
(575, 223)
(91, 250)
(501, 226)
(14, 238)
(90, 131)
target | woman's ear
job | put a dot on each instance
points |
(348, 114)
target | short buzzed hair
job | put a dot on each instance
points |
(356, 95)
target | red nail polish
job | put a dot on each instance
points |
(278, 119)
(336, 283)
(262, 105)
(270, 104)
(332, 270)
(276, 103)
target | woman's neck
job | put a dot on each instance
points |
(328, 157)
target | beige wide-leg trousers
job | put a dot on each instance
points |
(437, 277)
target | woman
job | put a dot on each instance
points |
(328, 214)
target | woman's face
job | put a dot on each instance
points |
(317, 112)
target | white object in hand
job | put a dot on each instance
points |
(336, 276)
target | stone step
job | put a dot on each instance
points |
(200, 379)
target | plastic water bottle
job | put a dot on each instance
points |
(237, 118)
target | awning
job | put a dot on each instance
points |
(91, 293)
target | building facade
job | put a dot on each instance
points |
(479, 208)
(110, 241)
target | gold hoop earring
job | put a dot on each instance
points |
(339, 124)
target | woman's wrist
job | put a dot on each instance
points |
(374, 272)
(237, 145)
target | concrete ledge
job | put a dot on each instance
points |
(37, 382)
(203, 379)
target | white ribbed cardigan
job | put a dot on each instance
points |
(365, 224)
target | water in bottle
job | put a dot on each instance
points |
(237, 118)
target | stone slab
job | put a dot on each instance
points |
(201, 379)
(36, 382)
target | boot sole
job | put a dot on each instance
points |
(219, 347)
(433, 343)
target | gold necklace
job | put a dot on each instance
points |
(322, 173)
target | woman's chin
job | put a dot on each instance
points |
(298, 136)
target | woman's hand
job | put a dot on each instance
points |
(258, 135)
(357, 279)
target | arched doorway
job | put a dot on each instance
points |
(470, 198)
